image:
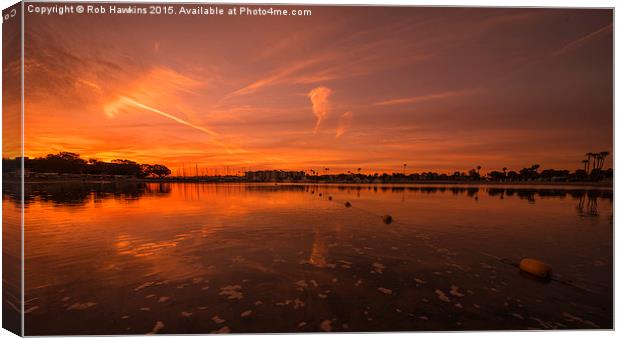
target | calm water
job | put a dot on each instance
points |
(199, 258)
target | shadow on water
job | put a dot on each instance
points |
(79, 193)
(588, 204)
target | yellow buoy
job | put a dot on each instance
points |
(535, 267)
(347, 204)
(387, 219)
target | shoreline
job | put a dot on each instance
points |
(601, 184)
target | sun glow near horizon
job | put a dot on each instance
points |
(372, 92)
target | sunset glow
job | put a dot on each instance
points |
(346, 88)
(196, 168)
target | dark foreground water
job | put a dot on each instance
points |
(200, 258)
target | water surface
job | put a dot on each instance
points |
(200, 258)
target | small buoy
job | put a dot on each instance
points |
(312, 192)
(320, 194)
(535, 267)
(330, 198)
(347, 204)
(387, 219)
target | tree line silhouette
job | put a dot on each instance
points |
(598, 160)
(532, 173)
(592, 171)
(72, 163)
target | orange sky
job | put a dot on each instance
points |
(437, 88)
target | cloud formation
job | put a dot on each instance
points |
(583, 40)
(483, 92)
(114, 108)
(345, 122)
(319, 97)
(428, 97)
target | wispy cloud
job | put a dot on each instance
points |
(114, 108)
(583, 40)
(344, 123)
(123, 103)
(428, 97)
(277, 76)
(319, 97)
(359, 54)
(166, 96)
(89, 84)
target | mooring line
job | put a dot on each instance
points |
(566, 282)
(499, 259)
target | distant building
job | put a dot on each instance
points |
(274, 176)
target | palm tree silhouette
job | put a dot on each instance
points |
(602, 156)
(586, 164)
(596, 161)
(589, 155)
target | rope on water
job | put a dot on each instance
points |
(388, 220)
(566, 282)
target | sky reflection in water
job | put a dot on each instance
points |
(199, 258)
